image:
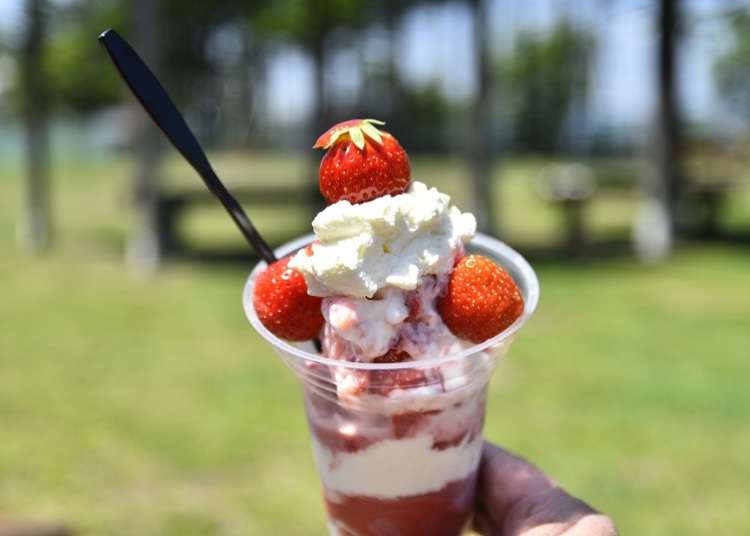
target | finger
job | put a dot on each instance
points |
(593, 525)
(550, 513)
(505, 480)
(483, 523)
(514, 498)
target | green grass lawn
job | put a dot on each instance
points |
(150, 407)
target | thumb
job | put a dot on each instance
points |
(514, 498)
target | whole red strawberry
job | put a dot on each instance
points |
(362, 162)
(481, 300)
(283, 304)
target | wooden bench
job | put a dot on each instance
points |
(172, 205)
(703, 204)
(569, 187)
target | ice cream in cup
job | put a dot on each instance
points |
(393, 315)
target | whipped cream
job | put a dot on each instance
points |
(389, 241)
(369, 327)
(396, 467)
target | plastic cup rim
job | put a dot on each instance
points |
(509, 256)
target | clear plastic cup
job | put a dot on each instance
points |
(397, 445)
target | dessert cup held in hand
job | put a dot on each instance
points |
(397, 445)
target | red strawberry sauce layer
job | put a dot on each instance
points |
(342, 430)
(440, 513)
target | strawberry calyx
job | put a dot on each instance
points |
(353, 129)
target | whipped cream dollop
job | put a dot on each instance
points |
(389, 241)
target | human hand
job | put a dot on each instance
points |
(514, 498)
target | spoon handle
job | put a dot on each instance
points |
(162, 110)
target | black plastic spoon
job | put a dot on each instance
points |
(162, 110)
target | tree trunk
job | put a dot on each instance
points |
(665, 189)
(146, 242)
(480, 129)
(669, 132)
(34, 227)
(320, 120)
(248, 73)
(392, 14)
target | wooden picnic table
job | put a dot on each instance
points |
(173, 204)
(705, 203)
(569, 186)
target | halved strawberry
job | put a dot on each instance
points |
(283, 305)
(384, 381)
(392, 356)
(362, 162)
(407, 424)
(481, 299)
(413, 305)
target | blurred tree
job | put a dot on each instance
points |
(189, 39)
(480, 131)
(34, 227)
(309, 23)
(668, 123)
(421, 117)
(418, 116)
(390, 12)
(732, 69)
(656, 220)
(76, 75)
(544, 77)
(145, 244)
(78, 72)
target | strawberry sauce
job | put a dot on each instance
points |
(441, 513)
(370, 494)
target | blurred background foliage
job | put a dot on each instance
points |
(733, 67)
(547, 77)
(605, 139)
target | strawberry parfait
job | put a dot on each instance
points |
(393, 315)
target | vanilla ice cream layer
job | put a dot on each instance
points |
(395, 468)
(368, 328)
(389, 241)
(361, 329)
